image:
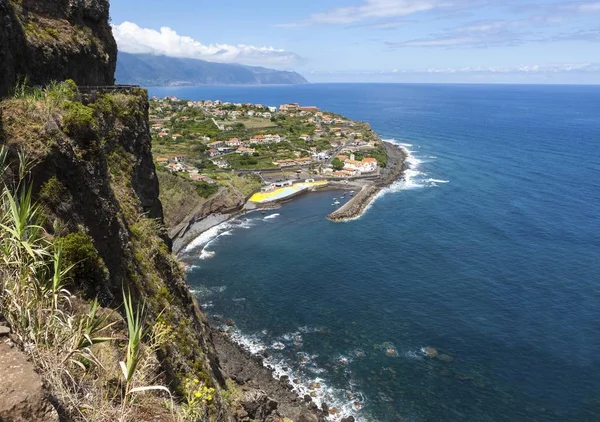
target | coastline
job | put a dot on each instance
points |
(251, 375)
(355, 207)
(249, 370)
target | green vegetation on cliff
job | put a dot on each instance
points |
(56, 40)
(87, 202)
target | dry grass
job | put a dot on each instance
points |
(75, 344)
(32, 117)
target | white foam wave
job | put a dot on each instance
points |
(253, 344)
(208, 236)
(437, 181)
(190, 268)
(206, 254)
(414, 354)
(305, 379)
(246, 224)
(278, 345)
(272, 216)
(211, 235)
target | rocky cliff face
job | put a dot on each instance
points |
(48, 40)
(95, 178)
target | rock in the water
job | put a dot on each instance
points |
(348, 419)
(445, 358)
(21, 389)
(229, 322)
(325, 407)
(430, 352)
(307, 398)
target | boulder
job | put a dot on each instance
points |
(430, 352)
(445, 358)
(23, 395)
(258, 405)
(307, 416)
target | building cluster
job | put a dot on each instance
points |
(353, 167)
(178, 165)
(332, 135)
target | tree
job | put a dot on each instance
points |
(337, 164)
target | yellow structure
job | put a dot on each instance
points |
(279, 194)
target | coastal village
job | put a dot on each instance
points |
(289, 147)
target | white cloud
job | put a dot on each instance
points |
(371, 9)
(533, 68)
(483, 70)
(483, 26)
(593, 7)
(133, 39)
(439, 42)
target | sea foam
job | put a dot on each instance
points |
(305, 379)
(209, 235)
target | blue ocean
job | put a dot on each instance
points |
(488, 252)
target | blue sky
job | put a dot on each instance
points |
(537, 41)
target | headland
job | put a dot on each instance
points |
(218, 159)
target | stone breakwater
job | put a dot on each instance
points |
(355, 207)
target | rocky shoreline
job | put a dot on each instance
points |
(356, 206)
(263, 396)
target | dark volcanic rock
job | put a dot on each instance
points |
(48, 40)
(445, 358)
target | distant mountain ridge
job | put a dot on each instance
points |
(154, 70)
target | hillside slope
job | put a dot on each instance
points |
(152, 70)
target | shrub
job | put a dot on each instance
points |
(205, 189)
(52, 192)
(89, 269)
(79, 121)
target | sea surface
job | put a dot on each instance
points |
(489, 252)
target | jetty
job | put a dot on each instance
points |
(356, 206)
